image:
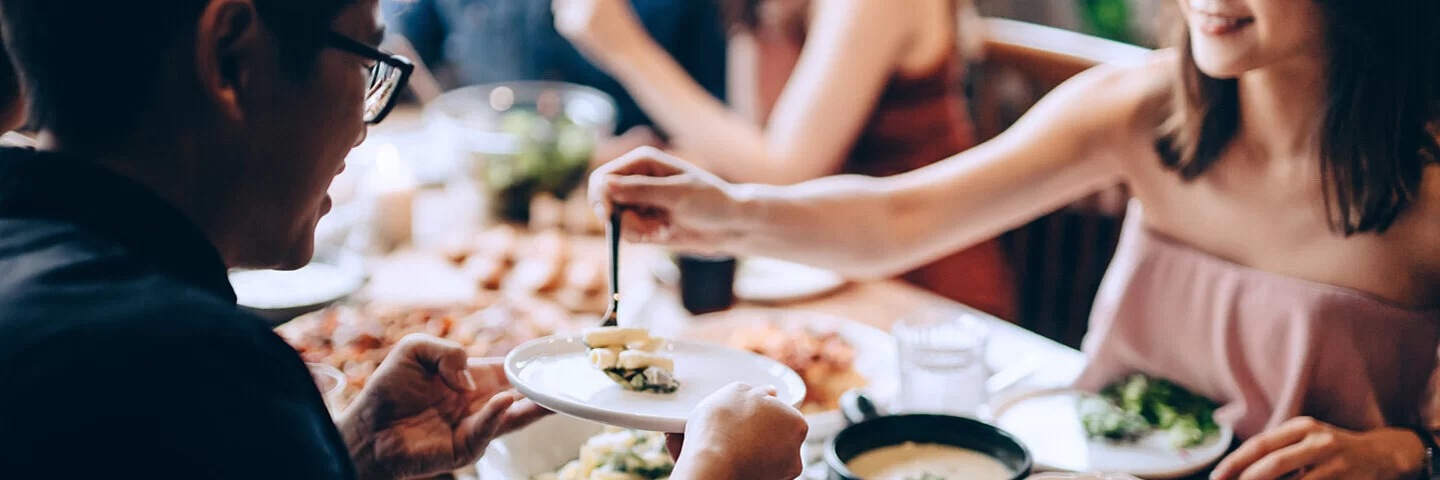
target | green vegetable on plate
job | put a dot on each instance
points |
(1138, 405)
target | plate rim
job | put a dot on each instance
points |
(652, 423)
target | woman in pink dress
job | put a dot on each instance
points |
(1283, 255)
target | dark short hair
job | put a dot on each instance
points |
(1381, 119)
(89, 67)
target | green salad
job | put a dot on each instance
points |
(552, 156)
(1138, 405)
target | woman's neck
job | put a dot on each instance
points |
(1282, 108)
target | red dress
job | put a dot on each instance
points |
(919, 120)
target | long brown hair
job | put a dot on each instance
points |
(1381, 119)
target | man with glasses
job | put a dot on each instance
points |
(181, 138)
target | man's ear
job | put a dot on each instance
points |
(227, 43)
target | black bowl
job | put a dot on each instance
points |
(870, 431)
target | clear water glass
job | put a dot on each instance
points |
(942, 362)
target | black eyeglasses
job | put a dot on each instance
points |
(387, 77)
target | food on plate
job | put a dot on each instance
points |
(585, 277)
(618, 455)
(547, 264)
(925, 461)
(355, 339)
(822, 358)
(498, 242)
(630, 357)
(1138, 405)
(487, 271)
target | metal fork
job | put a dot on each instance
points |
(612, 316)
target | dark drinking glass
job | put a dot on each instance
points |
(707, 283)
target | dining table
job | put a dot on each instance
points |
(875, 302)
(1027, 361)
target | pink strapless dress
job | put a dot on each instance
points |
(1267, 347)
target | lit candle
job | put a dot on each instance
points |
(392, 186)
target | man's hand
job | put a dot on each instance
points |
(738, 433)
(429, 409)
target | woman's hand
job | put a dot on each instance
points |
(429, 409)
(668, 201)
(603, 29)
(1305, 448)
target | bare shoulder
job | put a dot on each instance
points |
(1115, 107)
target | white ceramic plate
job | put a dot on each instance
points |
(1048, 423)
(555, 372)
(766, 280)
(283, 295)
(875, 357)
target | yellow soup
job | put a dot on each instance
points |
(912, 461)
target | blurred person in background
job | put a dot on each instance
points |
(471, 42)
(819, 87)
(12, 103)
(1280, 256)
(182, 138)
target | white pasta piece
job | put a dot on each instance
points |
(604, 358)
(614, 336)
(648, 345)
(636, 360)
(614, 476)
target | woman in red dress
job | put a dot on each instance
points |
(818, 88)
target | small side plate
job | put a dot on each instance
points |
(1047, 421)
(764, 280)
(280, 296)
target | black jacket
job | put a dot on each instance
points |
(122, 352)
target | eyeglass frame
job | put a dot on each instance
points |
(355, 47)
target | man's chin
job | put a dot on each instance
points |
(299, 256)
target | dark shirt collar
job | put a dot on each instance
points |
(57, 186)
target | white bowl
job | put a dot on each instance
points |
(540, 448)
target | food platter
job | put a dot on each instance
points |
(831, 354)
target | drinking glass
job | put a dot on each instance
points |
(942, 362)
